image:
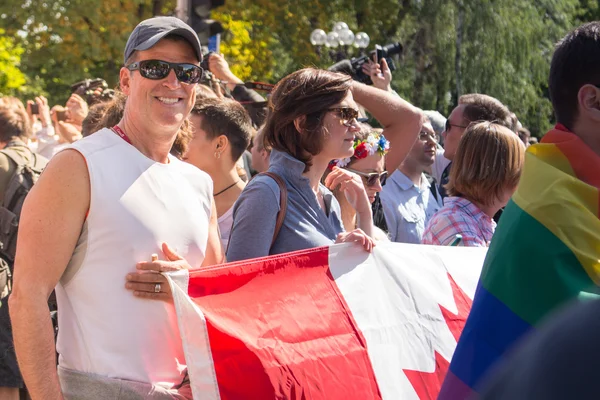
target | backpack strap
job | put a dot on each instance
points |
(16, 158)
(283, 198)
(37, 165)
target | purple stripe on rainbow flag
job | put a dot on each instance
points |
(490, 329)
(454, 388)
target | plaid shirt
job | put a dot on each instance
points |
(459, 216)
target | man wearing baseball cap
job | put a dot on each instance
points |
(104, 208)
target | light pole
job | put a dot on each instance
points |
(338, 40)
(183, 10)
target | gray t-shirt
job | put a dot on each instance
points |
(305, 226)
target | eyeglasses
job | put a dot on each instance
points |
(347, 115)
(450, 125)
(157, 69)
(371, 178)
(426, 136)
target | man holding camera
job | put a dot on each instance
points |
(102, 208)
(60, 126)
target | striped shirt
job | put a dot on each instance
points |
(459, 217)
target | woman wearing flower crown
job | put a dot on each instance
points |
(311, 121)
(368, 162)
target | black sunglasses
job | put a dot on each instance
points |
(449, 126)
(346, 114)
(371, 178)
(157, 69)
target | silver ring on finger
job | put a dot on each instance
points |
(157, 288)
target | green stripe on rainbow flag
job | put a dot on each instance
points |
(545, 253)
(554, 256)
(566, 206)
(552, 276)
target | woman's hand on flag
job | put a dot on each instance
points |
(357, 236)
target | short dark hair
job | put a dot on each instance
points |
(14, 121)
(574, 63)
(305, 93)
(91, 122)
(225, 117)
(112, 113)
(481, 107)
(205, 92)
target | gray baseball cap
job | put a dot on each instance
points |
(151, 31)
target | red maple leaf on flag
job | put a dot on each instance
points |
(428, 384)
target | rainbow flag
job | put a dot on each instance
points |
(545, 252)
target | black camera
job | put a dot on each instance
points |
(207, 76)
(204, 63)
(353, 67)
(88, 87)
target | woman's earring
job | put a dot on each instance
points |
(217, 155)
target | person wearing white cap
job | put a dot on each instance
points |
(103, 207)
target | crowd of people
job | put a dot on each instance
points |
(203, 174)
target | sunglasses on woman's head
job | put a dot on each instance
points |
(346, 114)
(157, 69)
(371, 178)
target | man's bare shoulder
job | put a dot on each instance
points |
(68, 158)
(66, 171)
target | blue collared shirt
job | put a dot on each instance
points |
(407, 207)
(305, 226)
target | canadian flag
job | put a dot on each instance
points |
(327, 323)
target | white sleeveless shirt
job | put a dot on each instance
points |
(135, 205)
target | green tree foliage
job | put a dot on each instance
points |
(498, 47)
(451, 47)
(69, 40)
(11, 77)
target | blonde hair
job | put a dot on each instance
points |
(488, 161)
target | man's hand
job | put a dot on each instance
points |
(68, 131)
(380, 74)
(148, 283)
(32, 117)
(77, 109)
(44, 111)
(220, 69)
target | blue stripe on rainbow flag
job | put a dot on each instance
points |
(490, 329)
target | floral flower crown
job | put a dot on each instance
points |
(374, 143)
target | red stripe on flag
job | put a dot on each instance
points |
(279, 328)
(583, 160)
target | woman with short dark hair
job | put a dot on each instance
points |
(311, 121)
(221, 133)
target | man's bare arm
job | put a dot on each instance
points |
(214, 249)
(50, 224)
